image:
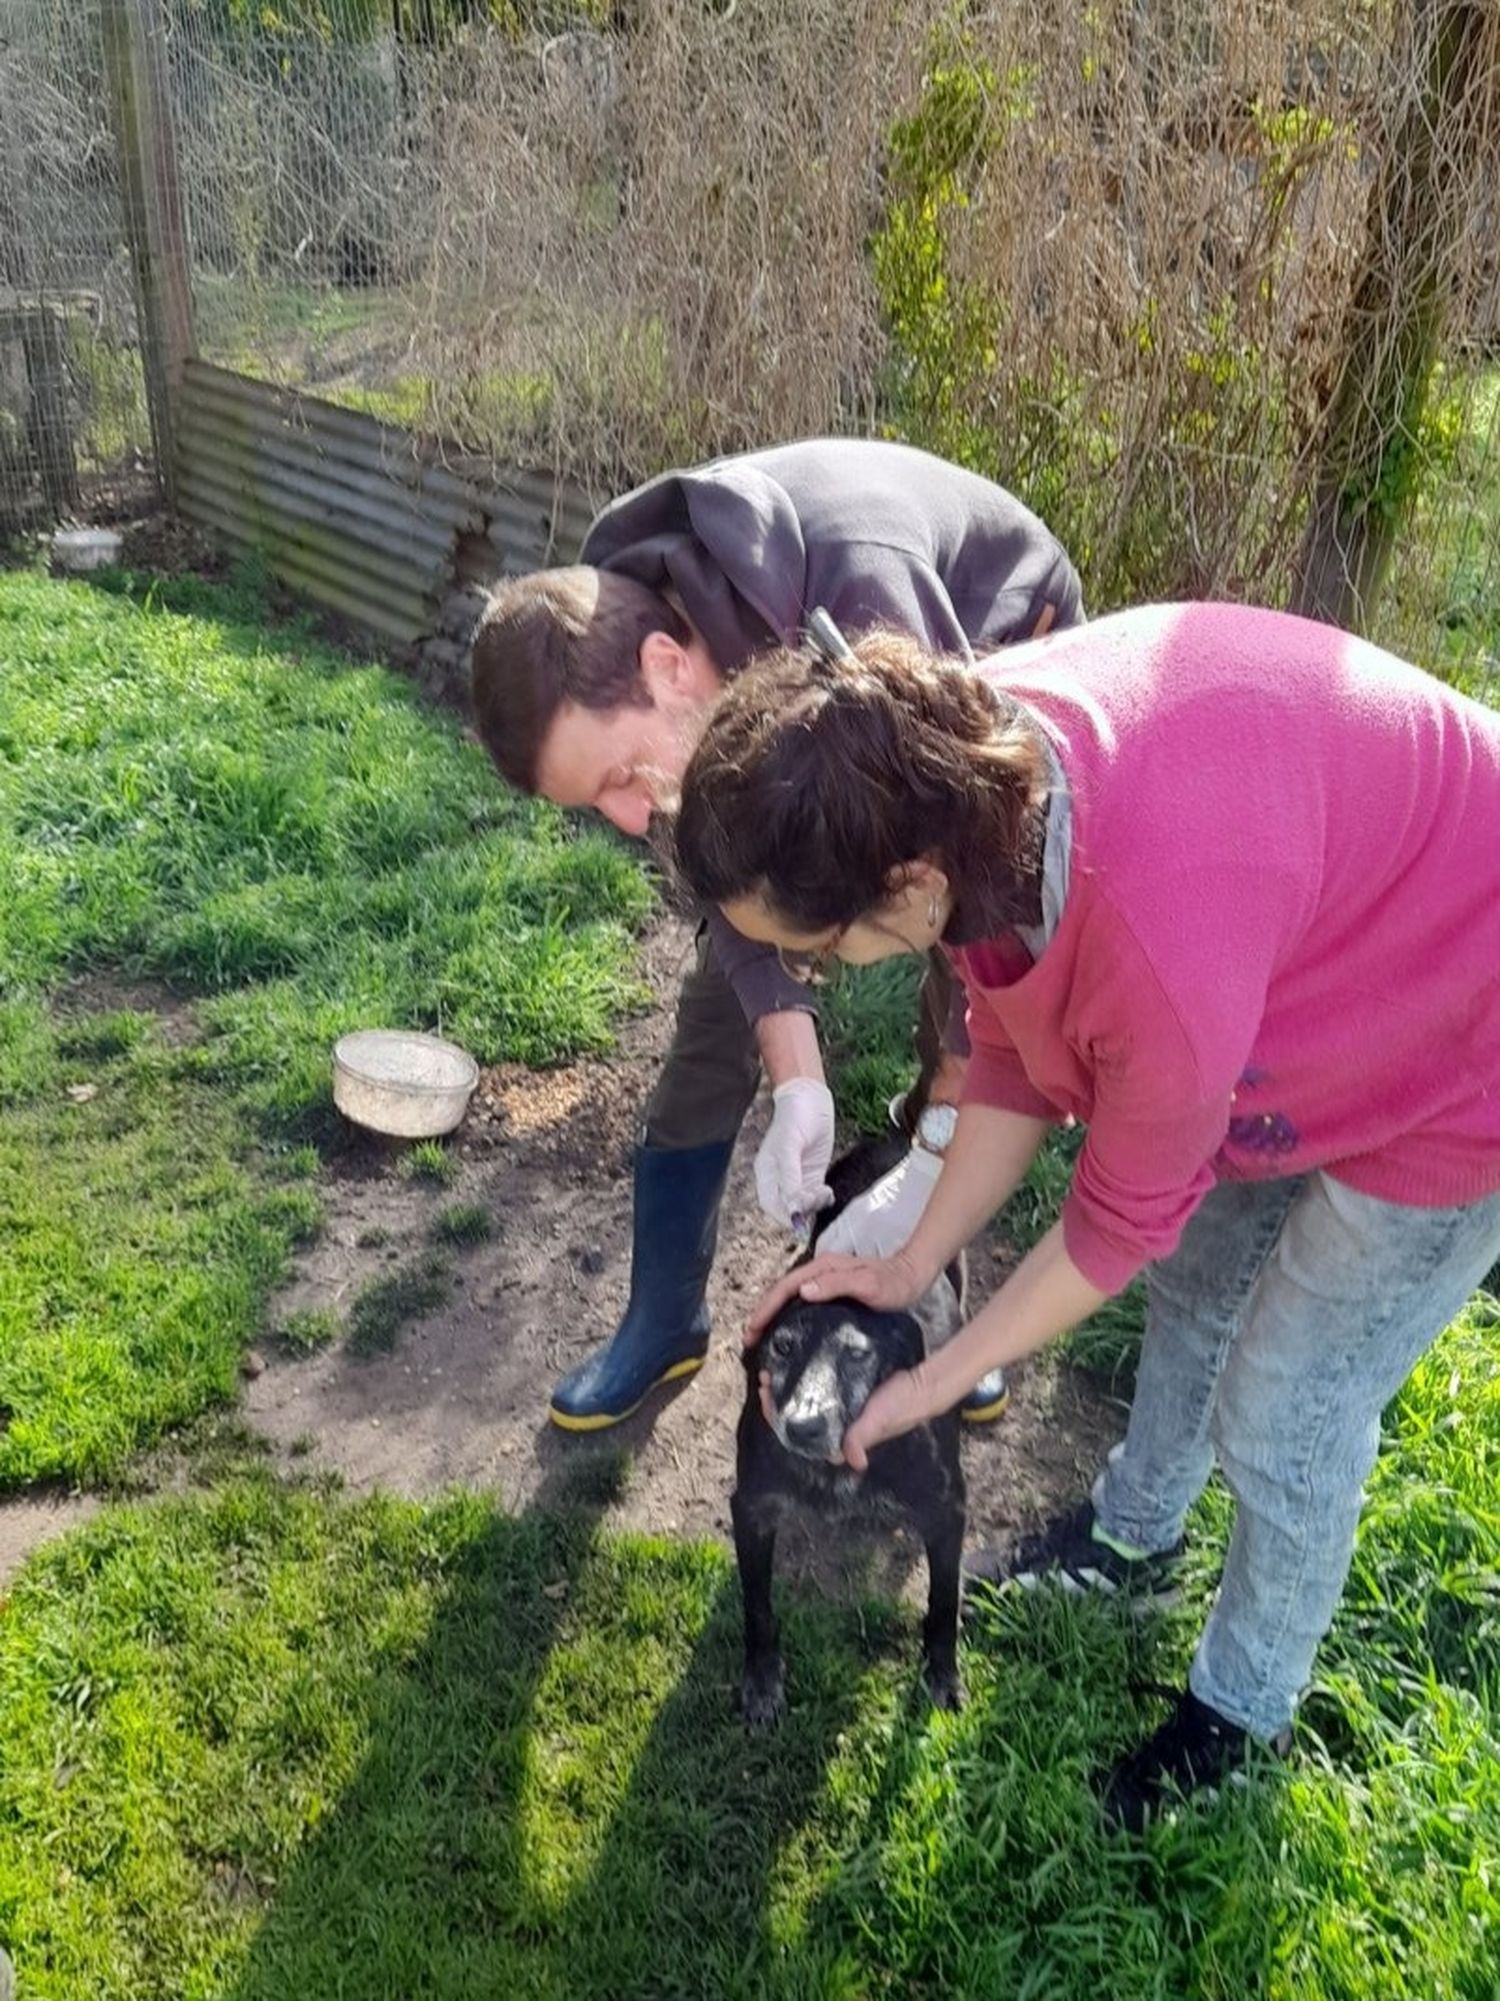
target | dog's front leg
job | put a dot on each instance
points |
(945, 1541)
(762, 1697)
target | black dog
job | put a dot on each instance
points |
(823, 1362)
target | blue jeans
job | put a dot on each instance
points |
(1289, 1315)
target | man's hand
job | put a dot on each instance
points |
(890, 1283)
(878, 1223)
(792, 1164)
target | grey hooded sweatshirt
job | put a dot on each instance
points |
(878, 533)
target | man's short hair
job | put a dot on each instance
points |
(560, 636)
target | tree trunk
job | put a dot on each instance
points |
(1368, 459)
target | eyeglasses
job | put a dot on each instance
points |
(811, 966)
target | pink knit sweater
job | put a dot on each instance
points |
(1280, 945)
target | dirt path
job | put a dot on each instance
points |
(461, 1398)
(28, 1520)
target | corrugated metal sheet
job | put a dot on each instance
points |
(359, 515)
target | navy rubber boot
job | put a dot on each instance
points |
(664, 1334)
(987, 1400)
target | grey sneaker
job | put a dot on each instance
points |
(1074, 1553)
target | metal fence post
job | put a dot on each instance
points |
(136, 63)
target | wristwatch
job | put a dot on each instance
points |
(936, 1127)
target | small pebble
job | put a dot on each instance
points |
(252, 1364)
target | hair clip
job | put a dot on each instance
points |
(825, 636)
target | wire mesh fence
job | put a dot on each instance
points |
(74, 434)
(1215, 286)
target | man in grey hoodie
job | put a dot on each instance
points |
(591, 687)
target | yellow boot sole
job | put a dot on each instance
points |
(566, 1421)
(986, 1413)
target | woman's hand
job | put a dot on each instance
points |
(890, 1283)
(900, 1404)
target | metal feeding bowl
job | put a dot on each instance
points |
(397, 1081)
(84, 549)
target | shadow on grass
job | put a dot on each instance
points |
(983, 1867)
(249, 609)
(559, 1800)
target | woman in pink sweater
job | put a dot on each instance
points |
(1223, 887)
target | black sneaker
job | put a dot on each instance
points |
(1196, 1748)
(1074, 1553)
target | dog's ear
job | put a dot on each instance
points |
(958, 1278)
(939, 1312)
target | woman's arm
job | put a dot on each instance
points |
(1044, 1296)
(985, 1164)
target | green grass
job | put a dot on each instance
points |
(349, 347)
(490, 407)
(137, 1244)
(289, 842)
(310, 1329)
(269, 1744)
(260, 821)
(1444, 589)
(430, 1161)
(868, 1017)
(463, 1224)
(288, 331)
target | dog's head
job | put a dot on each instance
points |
(823, 1360)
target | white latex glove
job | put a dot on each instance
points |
(794, 1155)
(879, 1223)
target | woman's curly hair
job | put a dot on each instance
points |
(815, 781)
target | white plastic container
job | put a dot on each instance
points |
(86, 548)
(398, 1081)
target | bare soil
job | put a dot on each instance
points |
(461, 1399)
(28, 1520)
